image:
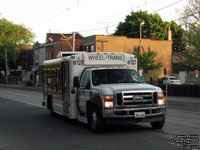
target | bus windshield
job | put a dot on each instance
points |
(113, 76)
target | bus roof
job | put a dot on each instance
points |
(93, 58)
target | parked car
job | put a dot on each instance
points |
(153, 81)
(169, 80)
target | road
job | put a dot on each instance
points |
(25, 125)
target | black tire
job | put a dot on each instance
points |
(52, 113)
(96, 121)
(50, 103)
(158, 124)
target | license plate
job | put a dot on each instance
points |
(139, 114)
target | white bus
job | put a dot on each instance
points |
(101, 88)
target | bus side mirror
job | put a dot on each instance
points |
(76, 82)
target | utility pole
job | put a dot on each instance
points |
(34, 59)
(166, 86)
(102, 44)
(74, 38)
(6, 65)
(140, 36)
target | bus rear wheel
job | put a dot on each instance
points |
(50, 107)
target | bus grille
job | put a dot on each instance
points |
(136, 98)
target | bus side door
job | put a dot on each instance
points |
(65, 88)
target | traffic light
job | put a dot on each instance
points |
(165, 71)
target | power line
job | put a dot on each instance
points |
(167, 6)
(129, 33)
(69, 8)
(118, 14)
(172, 12)
(98, 28)
(137, 31)
(147, 3)
(89, 30)
(185, 16)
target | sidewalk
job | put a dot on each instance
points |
(17, 86)
(183, 99)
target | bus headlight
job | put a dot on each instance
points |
(108, 101)
(161, 100)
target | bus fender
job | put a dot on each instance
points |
(95, 101)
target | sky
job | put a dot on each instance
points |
(88, 17)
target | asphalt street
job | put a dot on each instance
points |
(25, 125)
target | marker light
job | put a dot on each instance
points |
(72, 57)
(161, 100)
(160, 95)
(108, 101)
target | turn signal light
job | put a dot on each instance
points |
(160, 95)
(161, 100)
(108, 101)
(108, 98)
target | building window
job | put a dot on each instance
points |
(92, 48)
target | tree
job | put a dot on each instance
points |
(12, 38)
(191, 12)
(153, 23)
(177, 37)
(191, 19)
(146, 60)
(192, 52)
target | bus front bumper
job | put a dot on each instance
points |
(134, 115)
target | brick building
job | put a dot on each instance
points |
(58, 42)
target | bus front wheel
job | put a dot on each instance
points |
(96, 120)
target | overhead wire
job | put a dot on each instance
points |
(140, 6)
(69, 8)
(89, 30)
(117, 15)
(167, 6)
(160, 9)
(186, 16)
(94, 23)
(106, 38)
(97, 28)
